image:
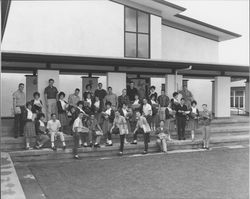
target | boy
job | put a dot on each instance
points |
(162, 137)
(54, 128)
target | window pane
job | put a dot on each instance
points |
(130, 21)
(241, 102)
(130, 45)
(237, 102)
(143, 46)
(143, 22)
(232, 102)
(239, 93)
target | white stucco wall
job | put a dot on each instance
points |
(178, 45)
(94, 28)
(156, 37)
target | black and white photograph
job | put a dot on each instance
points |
(124, 99)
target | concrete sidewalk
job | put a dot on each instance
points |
(10, 185)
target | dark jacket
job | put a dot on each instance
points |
(95, 109)
(111, 116)
(167, 114)
(37, 127)
(181, 108)
(35, 108)
(59, 107)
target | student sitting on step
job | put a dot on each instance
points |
(162, 137)
(54, 128)
(95, 131)
(42, 136)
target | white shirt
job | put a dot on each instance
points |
(77, 124)
(147, 109)
(41, 123)
(125, 112)
(89, 101)
(53, 125)
(63, 104)
(37, 102)
(136, 102)
(194, 110)
(29, 115)
(97, 104)
(153, 102)
(108, 111)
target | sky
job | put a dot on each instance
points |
(232, 15)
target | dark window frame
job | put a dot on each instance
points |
(137, 33)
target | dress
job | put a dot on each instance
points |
(29, 127)
(193, 119)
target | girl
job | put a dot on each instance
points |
(206, 117)
(121, 124)
(89, 100)
(41, 133)
(97, 108)
(108, 116)
(62, 107)
(162, 137)
(37, 104)
(155, 109)
(127, 115)
(29, 127)
(94, 131)
(170, 117)
(193, 118)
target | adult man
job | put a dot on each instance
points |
(19, 101)
(143, 127)
(123, 99)
(181, 114)
(131, 91)
(111, 97)
(100, 92)
(187, 95)
(50, 96)
(74, 98)
(163, 101)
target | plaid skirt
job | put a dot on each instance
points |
(63, 118)
(106, 126)
(192, 124)
(29, 129)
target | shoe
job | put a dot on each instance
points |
(37, 147)
(85, 145)
(97, 146)
(145, 152)
(76, 157)
(64, 147)
(133, 142)
(54, 148)
(120, 153)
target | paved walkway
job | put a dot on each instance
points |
(10, 185)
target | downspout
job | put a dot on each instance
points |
(176, 73)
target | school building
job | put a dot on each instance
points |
(114, 41)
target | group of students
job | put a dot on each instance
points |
(102, 113)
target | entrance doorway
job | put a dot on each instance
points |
(141, 84)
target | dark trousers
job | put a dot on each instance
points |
(181, 124)
(146, 137)
(19, 123)
(76, 137)
(122, 138)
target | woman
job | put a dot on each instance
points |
(170, 118)
(62, 107)
(97, 108)
(29, 126)
(108, 119)
(42, 136)
(88, 100)
(193, 118)
(155, 108)
(136, 106)
(121, 124)
(206, 118)
(162, 137)
(37, 104)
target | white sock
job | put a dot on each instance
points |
(80, 142)
(52, 144)
(27, 144)
(63, 143)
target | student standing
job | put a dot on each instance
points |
(128, 116)
(206, 117)
(121, 123)
(37, 104)
(62, 107)
(163, 101)
(54, 128)
(132, 91)
(123, 99)
(193, 118)
(181, 115)
(155, 109)
(108, 119)
(97, 108)
(111, 97)
(41, 134)
(19, 100)
(50, 96)
(169, 118)
(29, 127)
(147, 111)
(142, 127)
(87, 91)
(74, 98)
(100, 92)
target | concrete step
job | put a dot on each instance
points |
(48, 154)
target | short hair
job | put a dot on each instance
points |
(36, 93)
(80, 102)
(193, 102)
(51, 80)
(138, 112)
(182, 98)
(100, 83)
(124, 104)
(21, 84)
(204, 105)
(109, 87)
(88, 85)
(53, 114)
(40, 115)
(28, 103)
(61, 93)
(131, 82)
(77, 89)
(152, 87)
(175, 93)
(80, 113)
(108, 103)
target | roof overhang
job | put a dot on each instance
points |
(30, 61)
(171, 16)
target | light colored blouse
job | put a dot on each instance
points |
(29, 115)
